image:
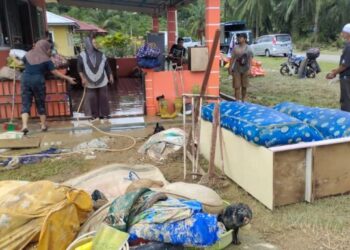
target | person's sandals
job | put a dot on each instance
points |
(44, 129)
(25, 131)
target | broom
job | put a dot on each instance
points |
(11, 126)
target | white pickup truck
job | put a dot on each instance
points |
(188, 42)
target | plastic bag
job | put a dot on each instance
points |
(18, 53)
(149, 50)
(148, 63)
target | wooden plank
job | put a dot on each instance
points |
(26, 142)
(214, 132)
(206, 79)
(248, 165)
(331, 170)
(289, 177)
(308, 175)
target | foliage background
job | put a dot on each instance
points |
(311, 22)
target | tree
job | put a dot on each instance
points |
(115, 44)
(196, 19)
(255, 12)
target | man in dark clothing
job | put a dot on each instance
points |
(344, 71)
(178, 52)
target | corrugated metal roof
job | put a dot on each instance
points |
(53, 19)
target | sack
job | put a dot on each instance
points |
(59, 61)
(8, 73)
(148, 50)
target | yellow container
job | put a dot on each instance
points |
(178, 105)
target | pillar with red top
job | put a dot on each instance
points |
(172, 25)
(212, 23)
(155, 22)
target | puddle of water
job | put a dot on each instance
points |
(125, 99)
(127, 120)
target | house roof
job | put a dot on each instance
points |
(56, 20)
(86, 27)
(151, 7)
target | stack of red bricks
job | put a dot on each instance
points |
(57, 99)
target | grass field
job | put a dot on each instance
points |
(325, 223)
(275, 88)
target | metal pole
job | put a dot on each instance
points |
(193, 137)
(184, 128)
(198, 134)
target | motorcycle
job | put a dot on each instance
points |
(292, 65)
(302, 66)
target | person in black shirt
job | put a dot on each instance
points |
(344, 71)
(177, 52)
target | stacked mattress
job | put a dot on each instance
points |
(331, 123)
(286, 123)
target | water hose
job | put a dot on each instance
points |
(132, 139)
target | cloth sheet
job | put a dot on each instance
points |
(175, 221)
(331, 123)
(262, 125)
(160, 145)
(42, 213)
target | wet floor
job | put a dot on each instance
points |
(126, 98)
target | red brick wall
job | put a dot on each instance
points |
(172, 25)
(212, 19)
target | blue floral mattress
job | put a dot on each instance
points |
(331, 123)
(262, 125)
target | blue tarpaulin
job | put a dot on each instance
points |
(29, 159)
(196, 229)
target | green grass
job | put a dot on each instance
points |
(311, 223)
(44, 170)
(275, 88)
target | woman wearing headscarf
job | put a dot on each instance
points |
(95, 74)
(37, 63)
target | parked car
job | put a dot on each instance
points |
(188, 42)
(273, 45)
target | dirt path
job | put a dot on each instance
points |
(332, 58)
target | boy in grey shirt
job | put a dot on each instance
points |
(240, 66)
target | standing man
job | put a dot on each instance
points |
(241, 60)
(344, 71)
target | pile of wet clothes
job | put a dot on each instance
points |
(154, 220)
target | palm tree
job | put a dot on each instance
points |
(196, 19)
(256, 13)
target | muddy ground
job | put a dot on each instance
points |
(324, 224)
